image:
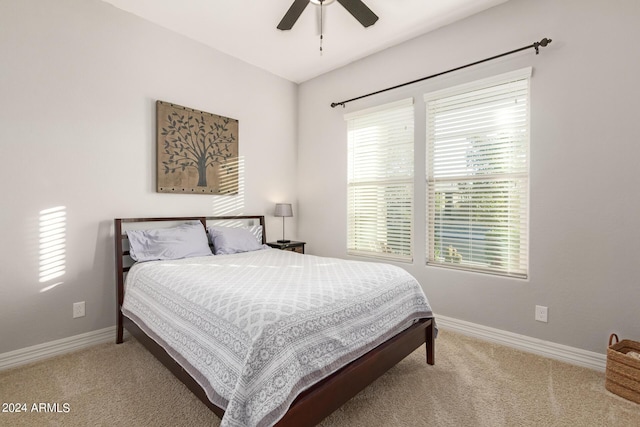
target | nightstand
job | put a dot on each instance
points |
(290, 246)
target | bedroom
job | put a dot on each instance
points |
(79, 81)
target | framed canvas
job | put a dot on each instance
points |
(197, 151)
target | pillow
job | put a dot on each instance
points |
(256, 230)
(184, 241)
(233, 240)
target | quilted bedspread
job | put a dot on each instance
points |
(256, 329)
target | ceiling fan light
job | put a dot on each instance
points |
(324, 3)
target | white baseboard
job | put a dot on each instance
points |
(572, 355)
(55, 348)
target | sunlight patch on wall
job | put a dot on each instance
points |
(53, 224)
(231, 205)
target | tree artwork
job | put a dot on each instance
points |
(197, 151)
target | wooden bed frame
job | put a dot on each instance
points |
(317, 402)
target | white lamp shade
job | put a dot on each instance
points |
(283, 209)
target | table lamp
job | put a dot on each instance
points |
(284, 210)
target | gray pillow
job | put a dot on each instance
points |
(183, 241)
(232, 240)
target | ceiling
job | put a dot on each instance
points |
(246, 29)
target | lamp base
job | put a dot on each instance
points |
(284, 241)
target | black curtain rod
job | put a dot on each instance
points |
(542, 43)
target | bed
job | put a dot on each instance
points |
(266, 337)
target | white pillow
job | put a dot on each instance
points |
(232, 240)
(184, 241)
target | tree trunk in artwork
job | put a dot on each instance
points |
(202, 171)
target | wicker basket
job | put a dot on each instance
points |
(623, 371)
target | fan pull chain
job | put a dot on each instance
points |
(321, 36)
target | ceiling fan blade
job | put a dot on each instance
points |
(360, 11)
(293, 14)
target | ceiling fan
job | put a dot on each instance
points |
(357, 8)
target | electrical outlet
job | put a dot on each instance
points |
(541, 313)
(78, 309)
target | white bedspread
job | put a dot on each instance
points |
(256, 329)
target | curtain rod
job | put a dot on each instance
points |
(536, 45)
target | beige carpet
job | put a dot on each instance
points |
(473, 383)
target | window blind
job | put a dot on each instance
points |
(380, 181)
(478, 176)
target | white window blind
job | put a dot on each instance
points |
(380, 181)
(478, 176)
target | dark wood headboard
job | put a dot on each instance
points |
(122, 254)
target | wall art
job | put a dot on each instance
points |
(197, 151)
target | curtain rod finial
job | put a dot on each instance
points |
(544, 42)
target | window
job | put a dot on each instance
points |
(380, 181)
(478, 176)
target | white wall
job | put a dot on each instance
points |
(585, 185)
(78, 85)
